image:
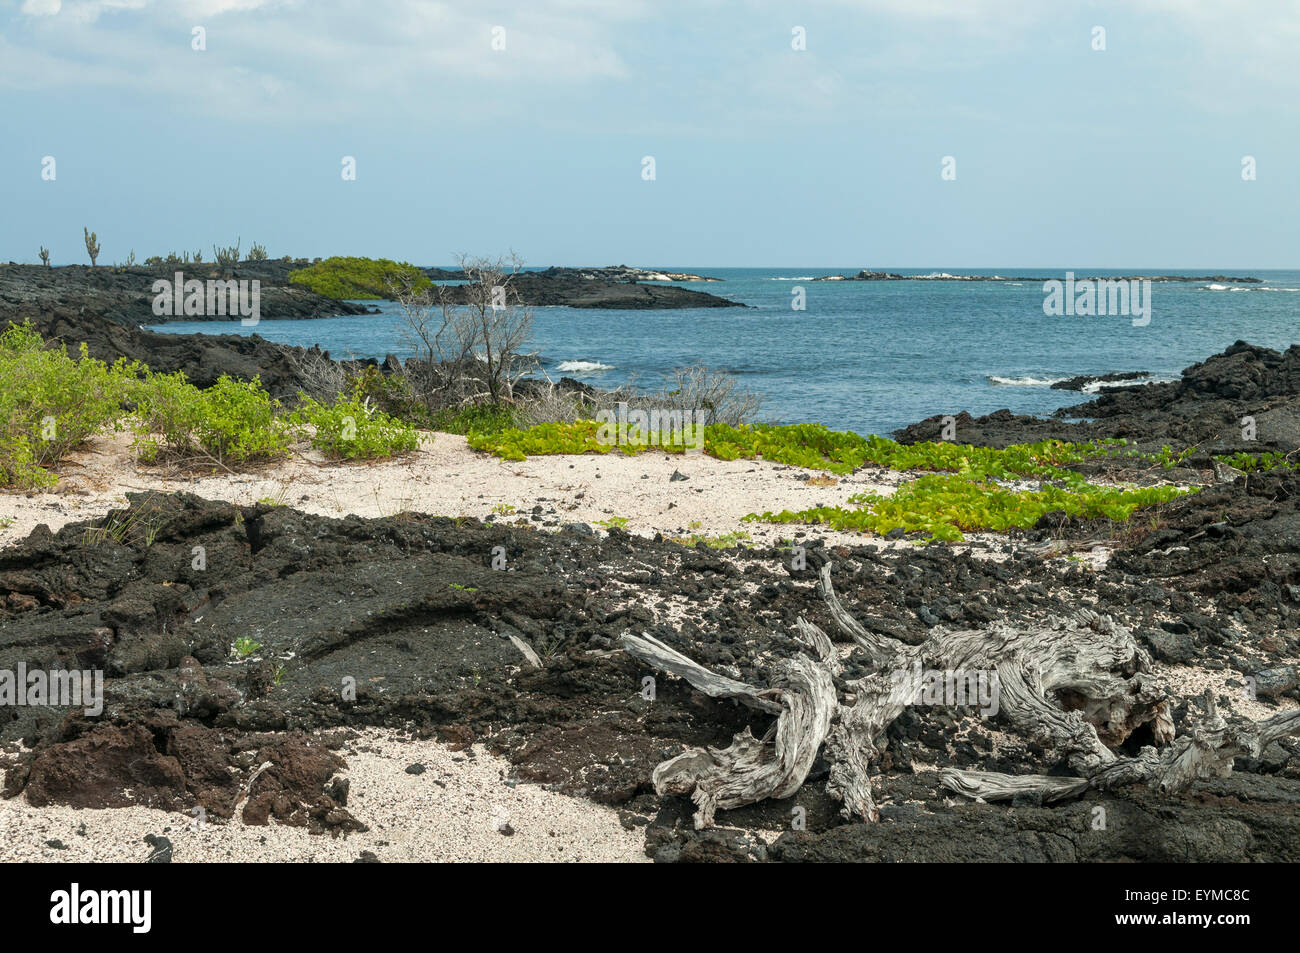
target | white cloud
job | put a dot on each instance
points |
(277, 58)
(41, 8)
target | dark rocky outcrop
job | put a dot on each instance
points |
(429, 648)
(126, 296)
(568, 288)
(1204, 408)
(1081, 381)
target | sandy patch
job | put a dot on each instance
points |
(447, 478)
(453, 811)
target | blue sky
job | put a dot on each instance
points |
(830, 156)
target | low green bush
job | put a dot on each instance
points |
(351, 428)
(50, 403)
(232, 421)
(358, 278)
(485, 420)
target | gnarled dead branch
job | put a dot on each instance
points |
(1080, 686)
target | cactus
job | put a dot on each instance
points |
(45, 256)
(227, 258)
(92, 245)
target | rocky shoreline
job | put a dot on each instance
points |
(1205, 408)
(1209, 586)
(125, 295)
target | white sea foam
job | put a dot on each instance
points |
(582, 367)
(1023, 381)
(1250, 288)
(1096, 386)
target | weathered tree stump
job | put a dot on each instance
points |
(1080, 686)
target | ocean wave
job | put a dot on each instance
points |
(1023, 381)
(582, 367)
(797, 278)
(1240, 288)
(1096, 386)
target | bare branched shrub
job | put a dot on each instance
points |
(503, 321)
(443, 344)
(547, 403)
(695, 388)
(321, 377)
(699, 388)
(468, 339)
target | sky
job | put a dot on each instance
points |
(904, 133)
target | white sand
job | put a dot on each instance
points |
(447, 478)
(412, 817)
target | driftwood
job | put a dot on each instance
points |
(802, 696)
(1080, 686)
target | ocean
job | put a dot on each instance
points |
(869, 356)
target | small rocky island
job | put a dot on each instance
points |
(125, 294)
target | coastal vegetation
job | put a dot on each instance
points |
(468, 341)
(1260, 462)
(944, 505)
(963, 489)
(813, 446)
(53, 402)
(56, 401)
(353, 279)
(92, 245)
(352, 429)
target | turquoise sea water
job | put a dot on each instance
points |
(870, 356)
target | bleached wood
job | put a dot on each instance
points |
(1207, 751)
(526, 650)
(654, 653)
(1079, 686)
(750, 770)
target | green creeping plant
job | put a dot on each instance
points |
(1259, 462)
(806, 445)
(946, 505)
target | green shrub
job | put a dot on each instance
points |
(230, 422)
(486, 420)
(50, 403)
(353, 429)
(358, 278)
